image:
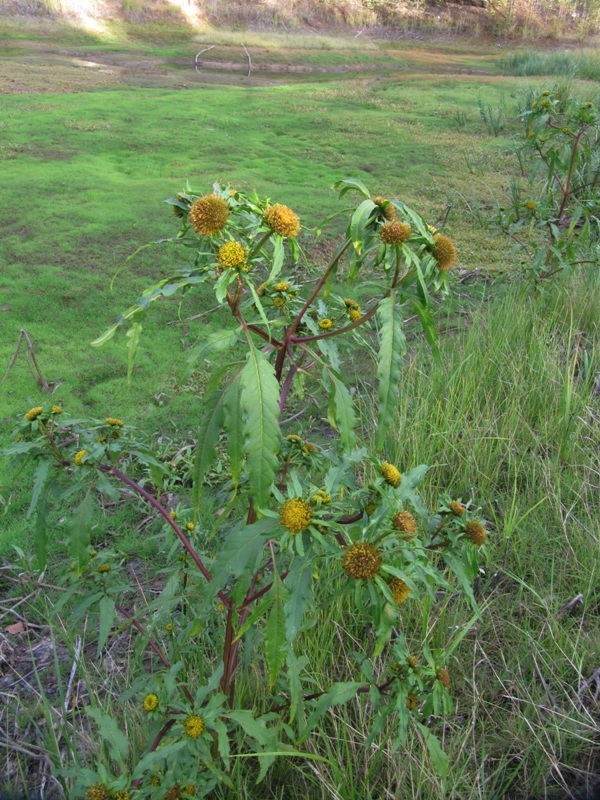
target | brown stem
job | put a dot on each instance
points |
(165, 514)
(158, 739)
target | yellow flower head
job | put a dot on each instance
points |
(261, 290)
(155, 780)
(293, 437)
(531, 205)
(209, 214)
(413, 662)
(190, 526)
(278, 301)
(189, 789)
(151, 702)
(399, 590)
(79, 457)
(321, 497)
(295, 515)
(444, 252)
(350, 303)
(443, 676)
(281, 287)
(457, 508)
(56, 410)
(405, 522)
(391, 474)
(33, 413)
(325, 324)
(194, 726)
(282, 220)
(121, 794)
(385, 207)
(104, 568)
(545, 93)
(412, 702)
(394, 232)
(355, 314)
(231, 255)
(173, 515)
(310, 448)
(475, 532)
(97, 791)
(169, 627)
(173, 793)
(116, 423)
(565, 130)
(361, 561)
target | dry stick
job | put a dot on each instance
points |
(163, 512)
(30, 354)
(249, 59)
(199, 53)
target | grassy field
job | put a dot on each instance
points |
(93, 137)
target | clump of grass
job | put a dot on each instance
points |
(583, 64)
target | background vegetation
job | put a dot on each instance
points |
(510, 416)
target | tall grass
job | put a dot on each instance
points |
(583, 64)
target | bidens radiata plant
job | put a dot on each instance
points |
(309, 519)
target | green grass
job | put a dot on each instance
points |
(508, 415)
(580, 63)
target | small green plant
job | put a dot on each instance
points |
(554, 218)
(493, 117)
(306, 519)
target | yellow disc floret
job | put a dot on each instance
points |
(116, 423)
(361, 561)
(444, 252)
(104, 568)
(391, 474)
(385, 207)
(325, 324)
(150, 702)
(355, 314)
(405, 522)
(321, 497)
(56, 410)
(281, 287)
(412, 702)
(475, 532)
(399, 590)
(278, 301)
(231, 254)
(79, 457)
(209, 214)
(350, 303)
(457, 508)
(33, 413)
(295, 515)
(443, 677)
(97, 791)
(194, 726)
(282, 220)
(394, 232)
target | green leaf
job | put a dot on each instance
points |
(341, 411)
(255, 728)
(163, 753)
(209, 431)
(234, 425)
(217, 342)
(39, 484)
(133, 334)
(241, 550)
(259, 400)
(439, 759)
(358, 224)
(337, 694)
(275, 639)
(458, 568)
(295, 666)
(298, 582)
(114, 738)
(41, 533)
(391, 350)
(79, 532)
(104, 337)
(427, 321)
(277, 258)
(107, 615)
(351, 183)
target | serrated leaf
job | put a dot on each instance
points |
(295, 666)
(163, 753)
(107, 616)
(110, 733)
(391, 350)
(298, 582)
(39, 484)
(234, 425)
(341, 411)
(79, 532)
(241, 550)
(358, 224)
(216, 342)
(253, 727)
(209, 431)
(275, 639)
(259, 399)
(439, 759)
